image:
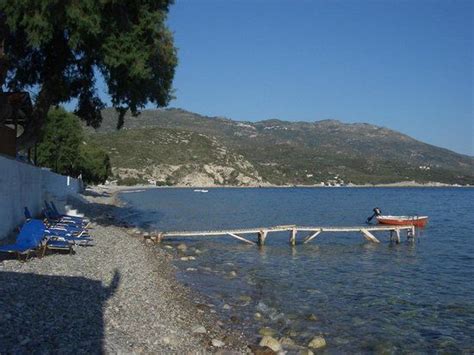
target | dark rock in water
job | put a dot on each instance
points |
(312, 317)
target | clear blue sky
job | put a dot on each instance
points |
(406, 65)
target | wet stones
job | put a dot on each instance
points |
(271, 342)
(317, 342)
(182, 248)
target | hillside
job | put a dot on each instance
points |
(179, 147)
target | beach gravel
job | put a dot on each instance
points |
(119, 295)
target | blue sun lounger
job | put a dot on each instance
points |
(62, 228)
(65, 233)
(32, 239)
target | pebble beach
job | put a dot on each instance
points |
(118, 296)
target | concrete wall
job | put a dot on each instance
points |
(26, 185)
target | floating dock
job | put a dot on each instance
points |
(310, 233)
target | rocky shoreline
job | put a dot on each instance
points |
(120, 295)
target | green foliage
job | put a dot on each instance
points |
(62, 148)
(58, 47)
(61, 139)
(94, 163)
(131, 181)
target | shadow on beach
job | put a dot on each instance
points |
(109, 213)
(43, 314)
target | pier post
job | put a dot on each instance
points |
(293, 237)
(159, 238)
(397, 233)
(262, 235)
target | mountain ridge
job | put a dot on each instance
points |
(283, 152)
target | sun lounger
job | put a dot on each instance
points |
(70, 229)
(32, 239)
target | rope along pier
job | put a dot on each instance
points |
(310, 233)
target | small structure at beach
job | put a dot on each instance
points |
(263, 232)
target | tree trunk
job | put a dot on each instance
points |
(3, 58)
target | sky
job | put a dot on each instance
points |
(402, 64)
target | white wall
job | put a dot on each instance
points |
(26, 185)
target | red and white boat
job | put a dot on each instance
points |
(417, 221)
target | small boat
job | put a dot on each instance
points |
(200, 190)
(417, 221)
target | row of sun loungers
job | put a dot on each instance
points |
(56, 232)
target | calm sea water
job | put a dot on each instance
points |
(413, 296)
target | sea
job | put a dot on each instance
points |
(416, 296)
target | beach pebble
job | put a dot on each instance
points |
(168, 247)
(267, 331)
(217, 343)
(199, 329)
(182, 247)
(317, 342)
(270, 342)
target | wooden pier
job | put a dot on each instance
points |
(310, 233)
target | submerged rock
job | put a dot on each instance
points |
(312, 317)
(226, 307)
(317, 342)
(286, 341)
(257, 316)
(267, 331)
(182, 247)
(232, 274)
(245, 298)
(270, 342)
